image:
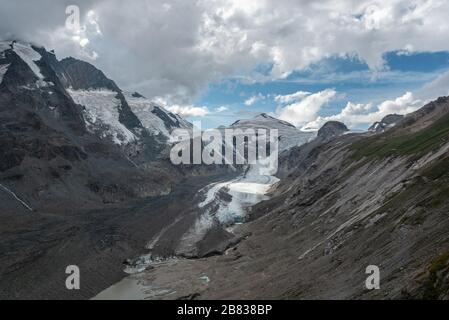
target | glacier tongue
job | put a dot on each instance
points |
(244, 191)
(226, 203)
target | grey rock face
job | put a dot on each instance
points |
(66, 188)
(78, 75)
(332, 129)
(387, 122)
(82, 75)
(392, 118)
(46, 143)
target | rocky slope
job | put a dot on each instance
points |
(84, 174)
(70, 135)
(387, 122)
(342, 205)
(331, 129)
(85, 179)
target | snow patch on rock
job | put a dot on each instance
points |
(3, 70)
(143, 109)
(29, 56)
(7, 190)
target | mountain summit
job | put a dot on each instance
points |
(387, 122)
(288, 134)
(105, 109)
(332, 129)
(70, 130)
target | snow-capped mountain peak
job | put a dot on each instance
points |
(29, 57)
(113, 112)
(289, 135)
(104, 109)
(386, 123)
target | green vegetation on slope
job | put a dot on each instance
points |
(388, 144)
(438, 174)
(436, 286)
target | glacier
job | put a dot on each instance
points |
(102, 111)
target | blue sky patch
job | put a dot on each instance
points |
(347, 74)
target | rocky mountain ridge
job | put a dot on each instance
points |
(343, 204)
(84, 174)
(332, 129)
(387, 122)
(79, 132)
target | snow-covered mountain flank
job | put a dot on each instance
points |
(79, 129)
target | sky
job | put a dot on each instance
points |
(306, 62)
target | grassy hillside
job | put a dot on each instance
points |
(403, 144)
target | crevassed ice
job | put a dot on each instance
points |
(102, 112)
(212, 191)
(143, 108)
(244, 191)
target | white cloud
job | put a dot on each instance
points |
(306, 110)
(366, 114)
(185, 45)
(188, 110)
(358, 114)
(78, 39)
(402, 105)
(436, 88)
(284, 99)
(183, 110)
(221, 109)
(294, 34)
(252, 100)
(354, 115)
